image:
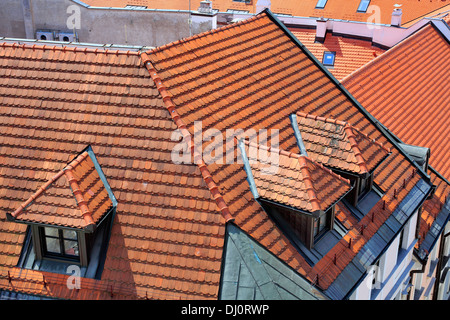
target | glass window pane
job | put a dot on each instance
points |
(363, 5)
(70, 234)
(321, 4)
(71, 247)
(53, 232)
(52, 245)
(328, 58)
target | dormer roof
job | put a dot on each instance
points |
(339, 145)
(75, 197)
(298, 182)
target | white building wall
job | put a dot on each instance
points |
(392, 272)
(444, 286)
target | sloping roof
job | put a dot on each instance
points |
(342, 9)
(407, 89)
(351, 53)
(439, 13)
(75, 197)
(298, 182)
(338, 144)
(259, 275)
(254, 74)
(167, 237)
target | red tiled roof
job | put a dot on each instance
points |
(298, 182)
(251, 75)
(343, 9)
(407, 89)
(75, 197)
(167, 237)
(337, 144)
(351, 53)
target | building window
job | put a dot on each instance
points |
(321, 4)
(363, 5)
(328, 58)
(320, 224)
(60, 243)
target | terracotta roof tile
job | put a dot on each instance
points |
(167, 238)
(75, 197)
(52, 107)
(337, 144)
(298, 181)
(351, 54)
(294, 84)
(412, 93)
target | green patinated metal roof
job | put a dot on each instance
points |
(250, 272)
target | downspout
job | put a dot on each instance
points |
(412, 272)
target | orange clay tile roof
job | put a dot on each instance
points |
(75, 197)
(168, 234)
(339, 145)
(167, 238)
(407, 89)
(351, 54)
(335, 9)
(299, 182)
(252, 75)
(440, 13)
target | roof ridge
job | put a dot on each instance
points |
(64, 48)
(328, 120)
(45, 186)
(348, 129)
(198, 159)
(204, 34)
(81, 202)
(307, 179)
(297, 156)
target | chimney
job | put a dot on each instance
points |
(262, 4)
(205, 6)
(396, 19)
(321, 29)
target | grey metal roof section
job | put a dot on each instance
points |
(250, 272)
(297, 134)
(248, 170)
(436, 229)
(419, 154)
(11, 295)
(373, 249)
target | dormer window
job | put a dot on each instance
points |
(69, 218)
(60, 243)
(297, 196)
(346, 151)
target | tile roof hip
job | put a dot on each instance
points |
(307, 168)
(207, 177)
(344, 132)
(39, 192)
